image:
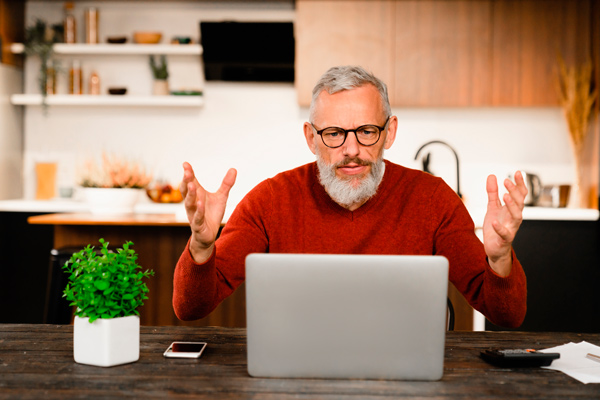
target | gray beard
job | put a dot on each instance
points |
(347, 192)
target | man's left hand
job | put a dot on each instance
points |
(502, 222)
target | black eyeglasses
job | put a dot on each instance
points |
(366, 135)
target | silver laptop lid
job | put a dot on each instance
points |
(346, 316)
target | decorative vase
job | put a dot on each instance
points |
(106, 342)
(112, 201)
(160, 87)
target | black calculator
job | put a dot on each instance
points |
(518, 357)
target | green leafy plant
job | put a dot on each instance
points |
(160, 72)
(105, 284)
(39, 40)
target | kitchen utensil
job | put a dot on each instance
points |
(534, 186)
(556, 196)
(147, 37)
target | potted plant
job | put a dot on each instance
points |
(114, 186)
(39, 40)
(106, 289)
(160, 73)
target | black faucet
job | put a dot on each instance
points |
(426, 161)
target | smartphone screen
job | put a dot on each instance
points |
(185, 349)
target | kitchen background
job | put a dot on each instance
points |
(254, 127)
(479, 75)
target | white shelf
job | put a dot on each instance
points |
(119, 49)
(125, 100)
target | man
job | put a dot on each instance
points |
(352, 201)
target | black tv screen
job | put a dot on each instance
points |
(248, 51)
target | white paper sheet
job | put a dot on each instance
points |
(573, 361)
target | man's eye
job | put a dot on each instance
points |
(368, 131)
(333, 134)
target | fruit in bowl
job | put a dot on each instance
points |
(163, 193)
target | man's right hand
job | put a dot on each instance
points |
(204, 211)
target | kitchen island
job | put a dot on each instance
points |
(159, 240)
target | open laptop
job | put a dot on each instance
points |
(346, 316)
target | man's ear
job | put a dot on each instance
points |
(309, 135)
(391, 132)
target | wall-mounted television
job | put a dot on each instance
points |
(248, 51)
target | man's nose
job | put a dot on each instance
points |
(351, 147)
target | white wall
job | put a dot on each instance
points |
(11, 134)
(257, 128)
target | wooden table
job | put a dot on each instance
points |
(159, 240)
(36, 361)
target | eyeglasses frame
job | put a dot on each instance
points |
(346, 131)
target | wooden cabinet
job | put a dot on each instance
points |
(453, 53)
(528, 36)
(12, 29)
(442, 53)
(332, 32)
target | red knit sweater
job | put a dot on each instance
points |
(412, 213)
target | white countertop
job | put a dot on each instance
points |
(543, 214)
(147, 207)
(62, 205)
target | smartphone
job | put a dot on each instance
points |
(185, 349)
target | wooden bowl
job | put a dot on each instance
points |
(147, 37)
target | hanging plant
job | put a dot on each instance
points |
(39, 40)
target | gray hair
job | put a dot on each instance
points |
(340, 78)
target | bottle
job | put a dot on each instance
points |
(50, 78)
(91, 25)
(94, 83)
(75, 78)
(70, 26)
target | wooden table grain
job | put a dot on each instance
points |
(36, 361)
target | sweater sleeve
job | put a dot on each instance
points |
(199, 288)
(503, 300)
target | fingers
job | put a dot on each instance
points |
(515, 198)
(197, 219)
(228, 182)
(492, 190)
(188, 176)
(521, 183)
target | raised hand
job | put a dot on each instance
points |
(204, 211)
(502, 221)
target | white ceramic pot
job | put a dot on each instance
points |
(115, 201)
(106, 342)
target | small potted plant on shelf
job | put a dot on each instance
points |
(39, 41)
(114, 186)
(106, 288)
(161, 74)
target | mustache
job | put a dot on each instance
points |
(352, 160)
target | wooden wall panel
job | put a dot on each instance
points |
(442, 53)
(12, 29)
(528, 35)
(330, 33)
